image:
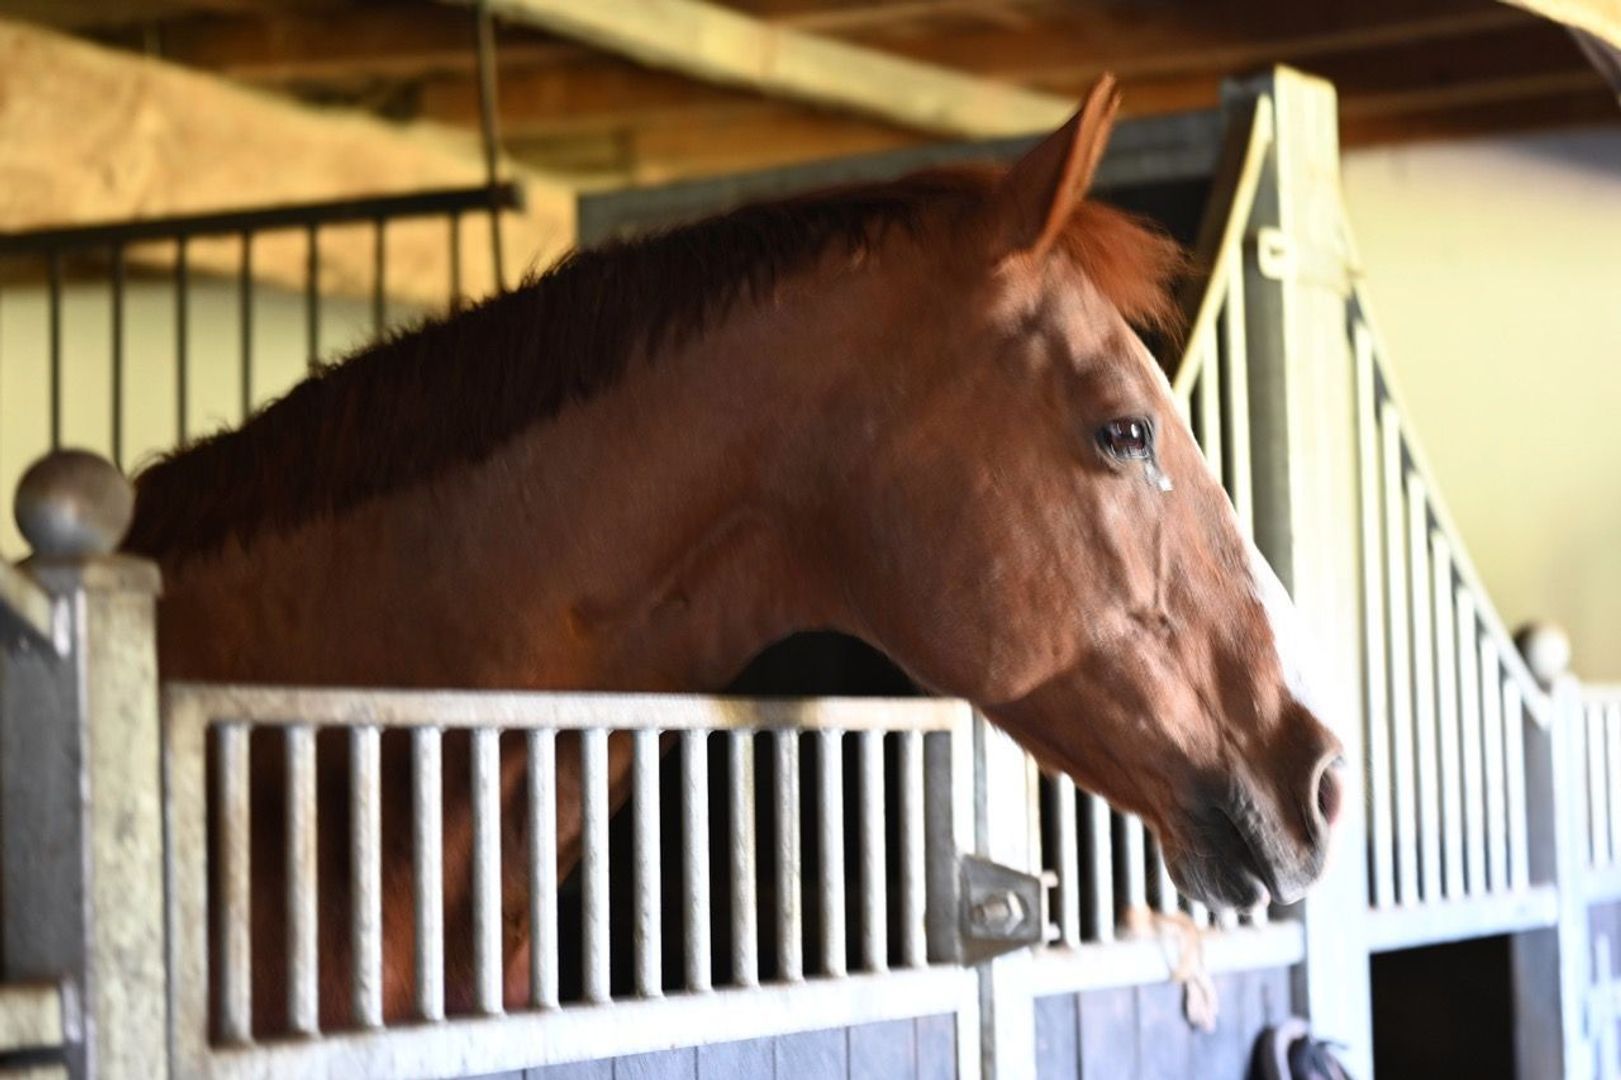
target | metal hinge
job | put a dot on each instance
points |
(1002, 909)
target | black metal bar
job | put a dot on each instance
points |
(182, 378)
(54, 317)
(245, 289)
(379, 294)
(455, 262)
(312, 296)
(506, 196)
(117, 374)
(489, 132)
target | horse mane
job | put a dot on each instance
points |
(454, 390)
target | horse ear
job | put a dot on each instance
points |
(1042, 189)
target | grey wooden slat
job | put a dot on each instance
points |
(681, 1064)
(937, 1047)
(1223, 1054)
(1164, 1040)
(813, 1055)
(578, 1070)
(882, 1051)
(1108, 1043)
(1058, 1034)
(738, 1060)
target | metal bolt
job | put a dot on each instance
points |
(999, 912)
(74, 504)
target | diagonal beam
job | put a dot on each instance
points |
(1600, 18)
(709, 42)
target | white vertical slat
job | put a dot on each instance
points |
(1198, 913)
(303, 948)
(695, 852)
(1207, 399)
(1068, 843)
(1612, 754)
(236, 885)
(542, 778)
(648, 933)
(830, 818)
(366, 874)
(1471, 721)
(486, 783)
(427, 871)
(1241, 475)
(1519, 858)
(874, 894)
(1491, 700)
(745, 905)
(1404, 777)
(1598, 788)
(1165, 887)
(1429, 764)
(1101, 907)
(1446, 700)
(914, 897)
(1382, 841)
(790, 881)
(594, 925)
(1134, 855)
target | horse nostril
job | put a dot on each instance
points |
(1330, 790)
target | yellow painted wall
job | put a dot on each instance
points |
(1494, 269)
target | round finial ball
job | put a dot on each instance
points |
(72, 503)
(1546, 649)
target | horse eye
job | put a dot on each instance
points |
(1128, 438)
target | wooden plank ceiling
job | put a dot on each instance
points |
(573, 105)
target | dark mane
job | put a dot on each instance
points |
(453, 391)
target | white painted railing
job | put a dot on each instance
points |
(1597, 732)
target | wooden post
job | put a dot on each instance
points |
(1551, 966)
(1302, 379)
(81, 826)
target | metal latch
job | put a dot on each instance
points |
(1001, 909)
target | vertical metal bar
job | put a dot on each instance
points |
(1165, 886)
(874, 893)
(312, 296)
(648, 932)
(1446, 683)
(182, 373)
(1429, 765)
(1519, 858)
(486, 784)
(1227, 918)
(1240, 471)
(542, 747)
(790, 928)
(455, 255)
(1612, 753)
(303, 949)
(245, 301)
(914, 898)
(1102, 867)
(1491, 699)
(1401, 688)
(740, 793)
(236, 886)
(1207, 395)
(489, 131)
(366, 873)
(1198, 913)
(830, 807)
(1469, 717)
(1599, 792)
(695, 871)
(428, 875)
(1067, 840)
(1376, 743)
(53, 270)
(594, 864)
(1136, 868)
(116, 440)
(379, 285)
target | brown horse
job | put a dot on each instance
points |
(913, 412)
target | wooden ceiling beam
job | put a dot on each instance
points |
(1601, 18)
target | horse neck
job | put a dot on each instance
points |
(654, 537)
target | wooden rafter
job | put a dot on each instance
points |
(716, 44)
(111, 136)
(1601, 18)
